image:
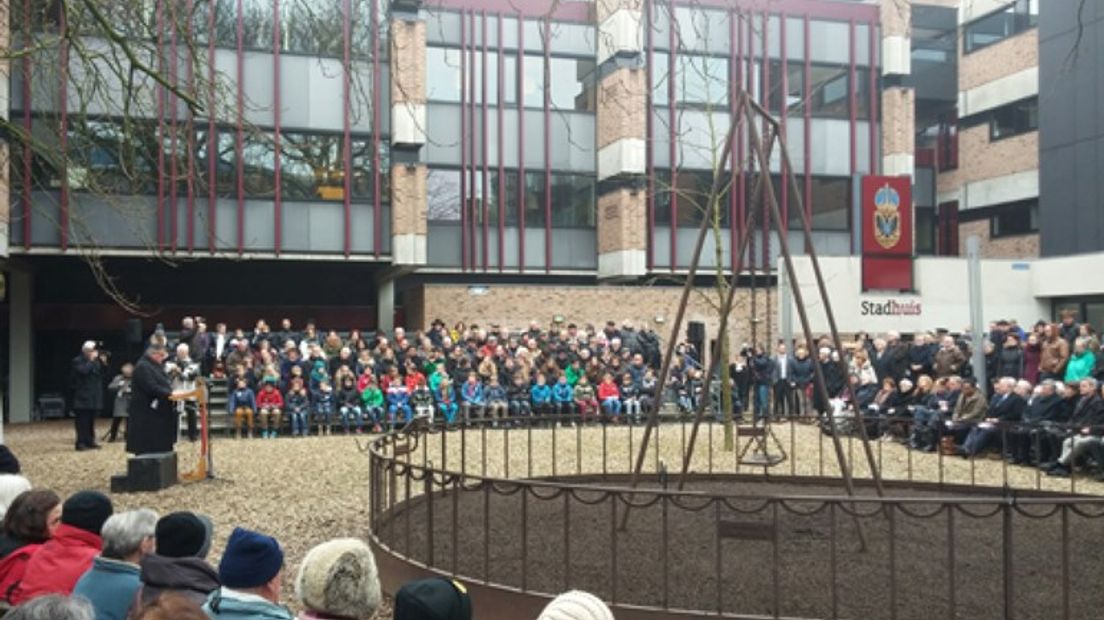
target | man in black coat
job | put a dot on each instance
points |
(86, 382)
(153, 421)
(1006, 406)
(1086, 430)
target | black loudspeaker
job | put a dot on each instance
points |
(695, 332)
(133, 331)
(148, 472)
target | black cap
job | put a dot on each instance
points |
(86, 510)
(183, 535)
(433, 599)
(8, 463)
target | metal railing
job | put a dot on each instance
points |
(530, 511)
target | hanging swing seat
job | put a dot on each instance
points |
(757, 451)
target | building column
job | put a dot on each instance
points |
(385, 305)
(20, 345)
(408, 135)
(5, 107)
(898, 100)
(621, 133)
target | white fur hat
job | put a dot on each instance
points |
(576, 605)
(11, 485)
(339, 578)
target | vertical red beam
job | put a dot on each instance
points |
(519, 83)
(672, 120)
(546, 37)
(764, 98)
(749, 41)
(63, 106)
(240, 138)
(161, 129)
(483, 137)
(212, 142)
(501, 158)
(875, 162)
(784, 85)
(463, 146)
(28, 154)
(470, 145)
(806, 92)
(852, 105)
(346, 125)
(740, 222)
(278, 198)
(377, 101)
(649, 128)
(734, 162)
(190, 128)
(174, 102)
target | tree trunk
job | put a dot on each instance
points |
(725, 381)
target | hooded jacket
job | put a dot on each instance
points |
(56, 567)
(192, 577)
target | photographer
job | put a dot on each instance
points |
(86, 382)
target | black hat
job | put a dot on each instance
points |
(183, 535)
(8, 463)
(433, 599)
(86, 510)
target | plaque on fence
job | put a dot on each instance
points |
(745, 530)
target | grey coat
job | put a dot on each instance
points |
(120, 386)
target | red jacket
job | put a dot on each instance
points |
(57, 566)
(266, 398)
(412, 381)
(14, 566)
(608, 390)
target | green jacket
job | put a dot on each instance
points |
(223, 605)
(1080, 366)
(372, 396)
(584, 392)
(573, 375)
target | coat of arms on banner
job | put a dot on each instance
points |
(887, 217)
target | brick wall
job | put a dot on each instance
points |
(408, 199)
(898, 121)
(980, 159)
(408, 70)
(1020, 246)
(515, 305)
(621, 106)
(998, 60)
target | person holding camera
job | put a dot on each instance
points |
(86, 383)
(182, 373)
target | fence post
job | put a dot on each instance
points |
(1007, 555)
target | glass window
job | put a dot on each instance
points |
(925, 230)
(532, 84)
(572, 83)
(443, 195)
(1014, 119)
(702, 80)
(361, 34)
(1017, 218)
(259, 165)
(862, 93)
(443, 78)
(534, 199)
(572, 201)
(828, 91)
(831, 203)
(509, 79)
(106, 159)
(659, 78)
(257, 24)
(1015, 18)
(312, 166)
(226, 183)
(795, 87)
(315, 28)
(226, 24)
(694, 190)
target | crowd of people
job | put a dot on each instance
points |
(1041, 402)
(920, 389)
(78, 559)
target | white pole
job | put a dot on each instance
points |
(977, 325)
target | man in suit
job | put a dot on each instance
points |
(87, 384)
(1007, 407)
(1086, 430)
(152, 419)
(783, 383)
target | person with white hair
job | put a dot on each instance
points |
(11, 486)
(1006, 407)
(53, 607)
(182, 373)
(338, 579)
(113, 581)
(86, 385)
(576, 605)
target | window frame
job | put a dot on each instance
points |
(1021, 14)
(1031, 207)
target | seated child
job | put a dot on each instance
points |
(586, 399)
(324, 407)
(496, 401)
(298, 407)
(242, 404)
(610, 397)
(372, 399)
(270, 406)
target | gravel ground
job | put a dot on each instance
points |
(304, 491)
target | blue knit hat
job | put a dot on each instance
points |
(250, 560)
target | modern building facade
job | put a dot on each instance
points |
(364, 162)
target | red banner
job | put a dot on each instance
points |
(887, 245)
